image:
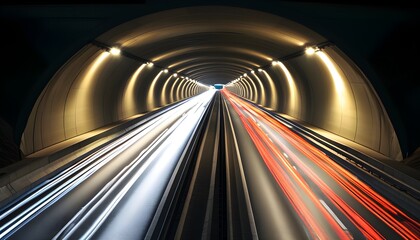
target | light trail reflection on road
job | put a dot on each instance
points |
(330, 201)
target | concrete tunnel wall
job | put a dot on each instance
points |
(305, 88)
(325, 89)
(96, 88)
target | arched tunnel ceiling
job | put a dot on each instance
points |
(211, 44)
(42, 38)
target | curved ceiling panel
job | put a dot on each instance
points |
(220, 32)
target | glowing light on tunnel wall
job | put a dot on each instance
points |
(172, 93)
(190, 89)
(151, 105)
(199, 89)
(85, 118)
(293, 98)
(252, 89)
(194, 89)
(338, 80)
(238, 88)
(255, 91)
(247, 87)
(274, 100)
(129, 95)
(310, 50)
(262, 92)
(178, 89)
(115, 51)
(244, 87)
(185, 89)
(343, 97)
(163, 96)
(90, 75)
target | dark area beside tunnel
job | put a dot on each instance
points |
(373, 3)
(396, 63)
(20, 64)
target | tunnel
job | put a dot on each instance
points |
(203, 121)
(155, 60)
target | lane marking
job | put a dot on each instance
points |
(333, 214)
(245, 187)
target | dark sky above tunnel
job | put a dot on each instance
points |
(375, 3)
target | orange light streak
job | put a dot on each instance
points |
(379, 206)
